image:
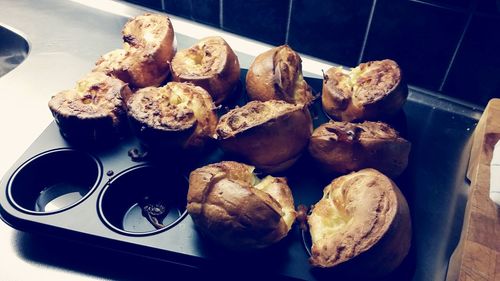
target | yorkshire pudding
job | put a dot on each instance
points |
(210, 64)
(270, 135)
(345, 147)
(92, 111)
(148, 49)
(277, 75)
(362, 222)
(177, 115)
(371, 91)
(112, 63)
(233, 207)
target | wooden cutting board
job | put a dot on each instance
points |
(477, 256)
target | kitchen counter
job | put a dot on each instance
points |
(66, 38)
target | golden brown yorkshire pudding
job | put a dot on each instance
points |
(345, 147)
(277, 75)
(270, 135)
(112, 63)
(148, 49)
(362, 222)
(210, 64)
(233, 207)
(92, 111)
(177, 115)
(370, 91)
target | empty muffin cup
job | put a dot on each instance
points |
(143, 200)
(54, 181)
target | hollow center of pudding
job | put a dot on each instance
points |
(196, 58)
(334, 217)
(185, 96)
(98, 92)
(149, 36)
(176, 95)
(92, 91)
(204, 58)
(354, 215)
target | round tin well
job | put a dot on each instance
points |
(143, 200)
(54, 181)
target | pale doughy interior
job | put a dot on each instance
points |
(203, 59)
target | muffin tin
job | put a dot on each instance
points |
(101, 195)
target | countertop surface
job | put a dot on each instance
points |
(66, 38)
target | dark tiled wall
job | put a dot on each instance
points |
(449, 46)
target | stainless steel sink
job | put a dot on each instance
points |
(14, 48)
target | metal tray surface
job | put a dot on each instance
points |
(433, 184)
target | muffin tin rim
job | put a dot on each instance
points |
(109, 225)
(92, 189)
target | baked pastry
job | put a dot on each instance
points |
(277, 75)
(270, 135)
(371, 91)
(177, 115)
(344, 147)
(113, 64)
(149, 46)
(233, 207)
(92, 111)
(210, 64)
(362, 224)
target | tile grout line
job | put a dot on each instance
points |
(221, 14)
(163, 5)
(457, 48)
(367, 31)
(191, 10)
(445, 7)
(289, 19)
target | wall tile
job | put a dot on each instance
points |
(421, 38)
(474, 75)
(259, 19)
(155, 4)
(491, 7)
(179, 8)
(331, 30)
(206, 11)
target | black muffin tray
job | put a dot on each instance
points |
(97, 194)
